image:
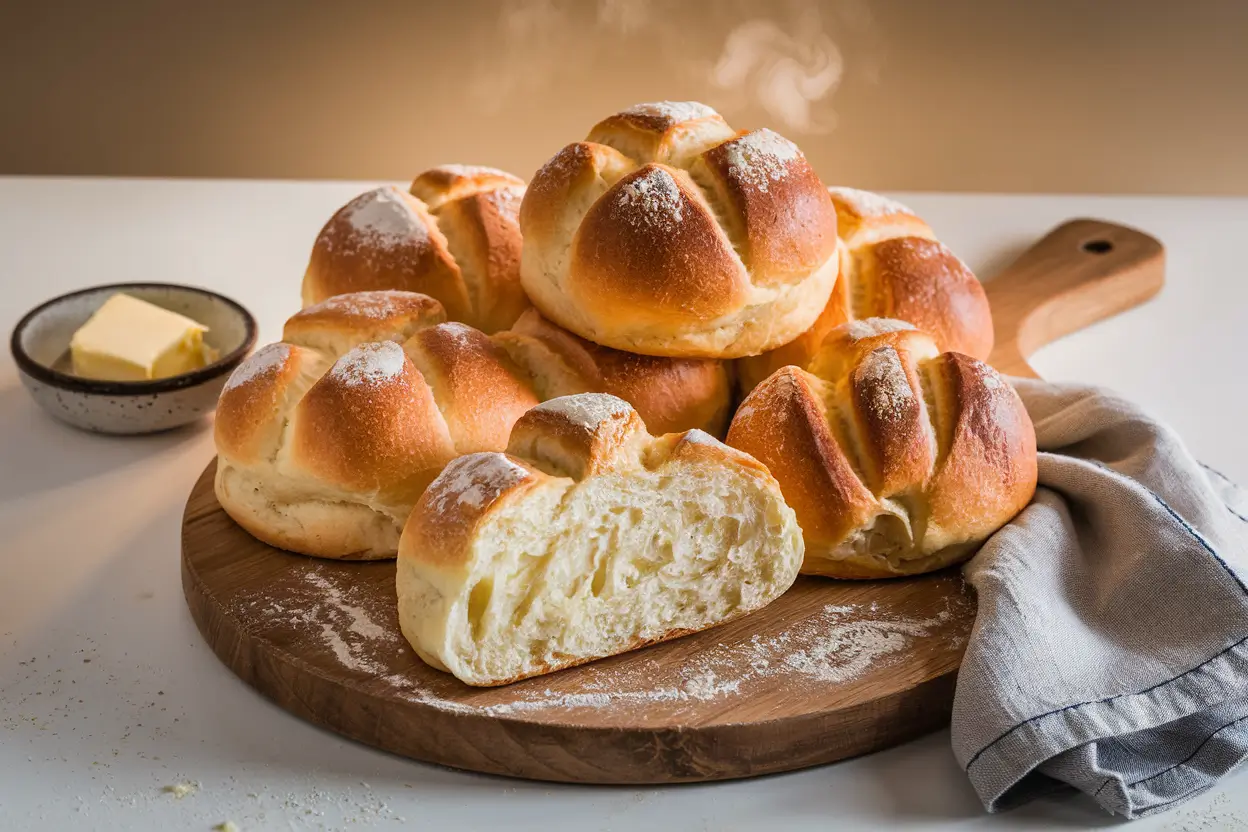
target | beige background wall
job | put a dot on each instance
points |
(1059, 95)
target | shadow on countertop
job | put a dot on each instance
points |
(38, 453)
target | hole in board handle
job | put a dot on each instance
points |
(1098, 246)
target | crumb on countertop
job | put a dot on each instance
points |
(181, 790)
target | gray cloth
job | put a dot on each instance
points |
(1110, 651)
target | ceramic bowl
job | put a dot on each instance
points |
(40, 346)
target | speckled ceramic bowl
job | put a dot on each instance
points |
(40, 346)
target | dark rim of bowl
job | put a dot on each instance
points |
(65, 381)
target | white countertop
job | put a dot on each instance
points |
(109, 693)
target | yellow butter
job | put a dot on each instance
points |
(128, 339)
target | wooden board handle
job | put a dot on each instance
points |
(1079, 273)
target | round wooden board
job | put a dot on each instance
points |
(828, 671)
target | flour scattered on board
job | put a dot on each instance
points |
(341, 616)
(835, 645)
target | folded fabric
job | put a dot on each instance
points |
(1110, 651)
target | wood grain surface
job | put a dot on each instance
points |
(830, 670)
(1081, 272)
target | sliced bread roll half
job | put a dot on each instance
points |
(588, 538)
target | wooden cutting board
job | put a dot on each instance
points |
(830, 670)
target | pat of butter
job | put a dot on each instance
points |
(128, 339)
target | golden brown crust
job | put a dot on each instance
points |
(377, 432)
(579, 356)
(651, 250)
(582, 166)
(484, 233)
(989, 472)
(797, 353)
(478, 391)
(788, 226)
(384, 239)
(461, 498)
(700, 447)
(250, 412)
(668, 132)
(897, 459)
(328, 456)
(671, 394)
(846, 345)
(339, 323)
(920, 281)
(783, 424)
(577, 436)
(863, 217)
(448, 183)
(899, 449)
(891, 266)
(666, 234)
(313, 454)
(455, 237)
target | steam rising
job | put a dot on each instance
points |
(786, 61)
(786, 75)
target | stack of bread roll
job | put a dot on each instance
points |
(521, 392)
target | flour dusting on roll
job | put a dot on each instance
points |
(898, 459)
(588, 538)
(668, 233)
(326, 439)
(891, 266)
(454, 235)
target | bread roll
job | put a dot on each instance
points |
(326, 439)
(588, 538)
(454, 237)
(891, 266)
(670, 394)
(668, 233)
(898, 459)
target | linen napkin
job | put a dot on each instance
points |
(1110, 651)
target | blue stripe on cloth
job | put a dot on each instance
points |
(1188, 527)
(1107, 699)
(1200, 539)
(1191, 756)
(1182, 762)
(1220, 475)
(1205, 545)
(1229, 482)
